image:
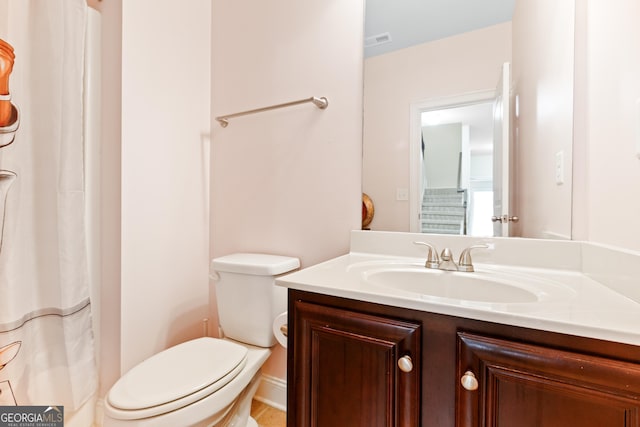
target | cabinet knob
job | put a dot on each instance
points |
(469, 381)
(405, 364)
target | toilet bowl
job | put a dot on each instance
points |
(209, 381)
(149, 395)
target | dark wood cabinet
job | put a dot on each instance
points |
(525, 385)
(349, 369)
(343, 371)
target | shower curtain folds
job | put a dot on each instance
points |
(46, 342)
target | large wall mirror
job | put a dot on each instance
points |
(452, 144)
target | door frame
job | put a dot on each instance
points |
(502, 131)
(415, 143)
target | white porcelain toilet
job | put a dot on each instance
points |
(209, 381)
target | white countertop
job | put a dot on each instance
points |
(600, 308)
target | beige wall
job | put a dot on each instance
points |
(110, 198)
(165, 145)
(154, 234)
(443, 145)
(452, 66)
(542, 82)
(607, 205)
(286, 181)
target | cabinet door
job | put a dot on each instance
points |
(521, 385)
(346, 369)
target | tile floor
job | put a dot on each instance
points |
(268, 416)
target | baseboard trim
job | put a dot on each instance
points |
(273, 392)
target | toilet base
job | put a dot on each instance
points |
(240, 414)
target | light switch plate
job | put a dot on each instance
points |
(402, 194)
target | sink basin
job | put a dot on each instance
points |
(479, 286)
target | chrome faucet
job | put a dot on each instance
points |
(465, 263)
(433, 260)
(445, 260)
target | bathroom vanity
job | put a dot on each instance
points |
(363, 352)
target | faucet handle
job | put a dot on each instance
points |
(433, 261)
(465, 263)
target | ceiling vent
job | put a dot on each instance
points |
(377, 40)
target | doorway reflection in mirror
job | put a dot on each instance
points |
(457, 170)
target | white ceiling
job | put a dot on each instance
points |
(411, 22)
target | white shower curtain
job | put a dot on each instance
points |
(46, 343)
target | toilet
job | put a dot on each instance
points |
(210, 381)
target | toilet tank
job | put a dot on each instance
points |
(247, 297)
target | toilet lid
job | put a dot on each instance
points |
(177, 372)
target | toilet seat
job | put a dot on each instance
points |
(175, 378)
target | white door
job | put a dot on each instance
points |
(502, 217)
